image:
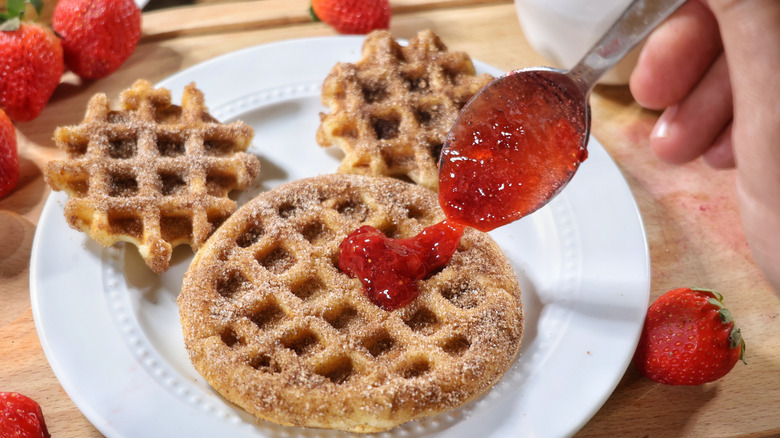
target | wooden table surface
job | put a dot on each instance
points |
(689, 212)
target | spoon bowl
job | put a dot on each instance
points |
(520, 139)
(513, 147)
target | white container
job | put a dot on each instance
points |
(563, 30)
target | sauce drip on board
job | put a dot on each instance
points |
(510, 151)
(390, 268)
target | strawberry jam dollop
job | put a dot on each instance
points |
(390, 268)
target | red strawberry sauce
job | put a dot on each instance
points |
(510, 153)
(504, 159)
(389, 268)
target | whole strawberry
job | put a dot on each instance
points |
(21, 416)
(689, 338)
(353, 16)
(98, 35)
(31, 64)
(9, 159)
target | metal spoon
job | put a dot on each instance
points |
(520, 140)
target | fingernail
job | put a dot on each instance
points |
(661, 128)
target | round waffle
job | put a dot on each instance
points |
(151, 173)
(273, 325)
(391, 110)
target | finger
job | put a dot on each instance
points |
(721, 154)
(675, 56)
(685, 131)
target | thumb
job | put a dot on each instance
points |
(750, 30)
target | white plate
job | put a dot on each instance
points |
(110, 328)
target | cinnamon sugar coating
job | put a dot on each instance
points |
(151, 173)
(273, 325)
(391, 110)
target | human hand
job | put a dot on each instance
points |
(714, 67)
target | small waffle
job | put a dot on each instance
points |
(151, 173)
(274, 326)
(391, 110)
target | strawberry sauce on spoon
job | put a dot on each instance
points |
(520, 140)
(512, 148)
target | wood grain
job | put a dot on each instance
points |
(215, 17)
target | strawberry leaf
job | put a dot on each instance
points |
(715, 302)
(313, 15)
(736, 340)
(38, 5)
(716, 294)
(10, 24)
(15, 8)
(725, 316)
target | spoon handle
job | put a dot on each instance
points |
(634, 24)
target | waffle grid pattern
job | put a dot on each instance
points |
(151, 173)
(391, 110)
(274, 326)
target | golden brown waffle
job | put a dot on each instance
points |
(274, 326)
(391, 110)
(151, 173)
